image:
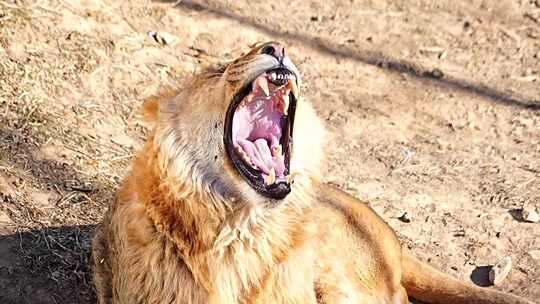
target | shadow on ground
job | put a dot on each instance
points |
(429, 77)
(48, 266)
(41, 261)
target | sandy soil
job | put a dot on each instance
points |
(433, 109)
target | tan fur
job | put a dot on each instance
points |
(186, 228)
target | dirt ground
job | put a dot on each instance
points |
(433, 109)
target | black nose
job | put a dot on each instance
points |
(274, 49)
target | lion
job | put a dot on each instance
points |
(224, 204)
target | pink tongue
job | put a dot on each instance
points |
(260, 156)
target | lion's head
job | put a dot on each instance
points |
(230, 131)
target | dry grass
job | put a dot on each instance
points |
(456, 158)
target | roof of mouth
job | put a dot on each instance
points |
(258, 124)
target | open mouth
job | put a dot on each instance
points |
(258, 132)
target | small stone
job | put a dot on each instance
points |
(459, 233)
(6, 224)
(529, 214)
(75, 185)
(435, 73)
(163, 37)
(405, 217)
(205, 44)
(317, 18)
(499, 271)
(4, 218)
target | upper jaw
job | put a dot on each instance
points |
(266, 66)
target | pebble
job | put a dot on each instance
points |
(75, 185)
(205, 43)
(499, 271)
(6, 224)
(163, 37)
(4, 218)
(405, 217)
(435, 73)
(529, 214)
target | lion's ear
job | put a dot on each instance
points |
(150, 107)
(149, 111)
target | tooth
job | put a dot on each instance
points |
(285, 104)
(271, 179)
(241, 152)
(273, 76)
(263, 84)
(244, 156)
(294, 88)
(290, 178)
(278, 151)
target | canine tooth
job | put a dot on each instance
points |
(293, 87)
(273, 76)
(271, 179)
(285, 104)
(290, 177)
(263, 84)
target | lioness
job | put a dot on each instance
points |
(223, 205)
